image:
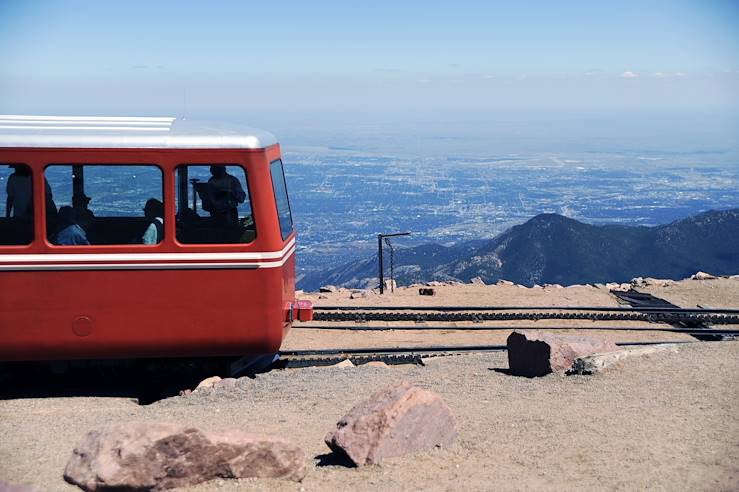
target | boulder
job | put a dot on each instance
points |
(504, 282)
(396, 420)
(328, 288)
(157, 456)
(477, 281)
(534, 353)
(426, 291)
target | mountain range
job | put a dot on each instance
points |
(551, 248)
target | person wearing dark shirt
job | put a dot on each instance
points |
(224, 193)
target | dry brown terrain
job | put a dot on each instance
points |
(667, 421)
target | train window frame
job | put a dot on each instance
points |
(283, 235)
(10, 219)
(48, 234)
(249, 199)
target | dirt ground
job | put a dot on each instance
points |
(667, 421)
(664, 422)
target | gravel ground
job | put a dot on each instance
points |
(667, 421)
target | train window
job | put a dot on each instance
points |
(213, 205)
(16, 196)
(106, 204)
(283, 203)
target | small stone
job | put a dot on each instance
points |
(157, 456)
(504, 282)
(360, 294)
(225, 383)
(703, 276)
(343, 363)
(376, 363)
(208, 382)
(322, 297)
(533, 353)
(328, 288)
(427, 291)
(394, 421)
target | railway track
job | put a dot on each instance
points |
(422, 314)
(398, 355)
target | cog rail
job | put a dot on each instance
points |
(421, 314)
(400, 355)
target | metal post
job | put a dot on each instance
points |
(379, 255)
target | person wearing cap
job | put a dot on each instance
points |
(84, 215)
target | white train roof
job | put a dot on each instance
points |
(102, 132)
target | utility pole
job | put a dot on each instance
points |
(380, 237)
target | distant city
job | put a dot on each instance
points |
(343, 197)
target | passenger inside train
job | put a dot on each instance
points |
(225, 199)
(16, 194)
(69, 233)
(103, 202)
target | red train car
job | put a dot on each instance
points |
(142, 237)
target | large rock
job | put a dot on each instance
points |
(156, 456)
(394, 421)
(534, 353)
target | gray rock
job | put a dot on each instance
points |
(533, 353)
(396, 420)
(157, 456)
(595, 363)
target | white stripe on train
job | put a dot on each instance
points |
(146, 266)
(112, 257)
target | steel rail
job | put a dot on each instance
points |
(529, 308)
(360, 327)
(553, 313)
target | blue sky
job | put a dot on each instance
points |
(318, 59)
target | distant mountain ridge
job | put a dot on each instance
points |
(551, 248)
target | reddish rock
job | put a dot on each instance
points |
(156, 456)
(534, 353)
(394, 421)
